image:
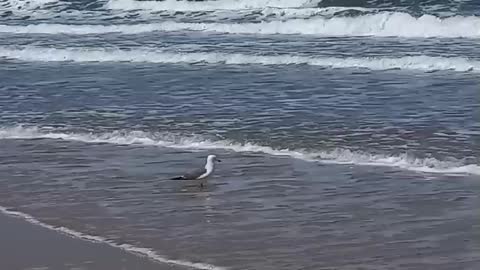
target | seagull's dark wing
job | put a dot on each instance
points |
(191, 175)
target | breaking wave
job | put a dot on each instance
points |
(380, 24)
(424, 63)
(335, 156)
(208, 5)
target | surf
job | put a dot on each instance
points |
(207, 5)
(384, 24)
(100, 55)
(341, 156)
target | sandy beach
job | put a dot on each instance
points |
(28, 246)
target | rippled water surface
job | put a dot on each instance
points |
(348, 131)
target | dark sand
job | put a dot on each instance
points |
(27, 246)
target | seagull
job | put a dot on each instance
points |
(200, 173)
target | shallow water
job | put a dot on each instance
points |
(341, 149)
(257, 212)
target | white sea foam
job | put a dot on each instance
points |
(285, 13)
(26, 4)
(335, 156)
(30, 7)
(146, 252)
(207, 5)
(381, 24)
(72, 29)
(424, 63)
(39, 9)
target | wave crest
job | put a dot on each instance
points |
(383, 24)
(175, 5)
(424, 63)
(334, 156)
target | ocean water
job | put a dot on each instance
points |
(349, 130)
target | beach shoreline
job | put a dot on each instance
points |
(25, 245)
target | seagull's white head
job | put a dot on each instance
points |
(212, 158)
(210, 162)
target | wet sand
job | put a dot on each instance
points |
(28, 246)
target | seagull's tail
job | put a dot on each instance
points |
(178, 178)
